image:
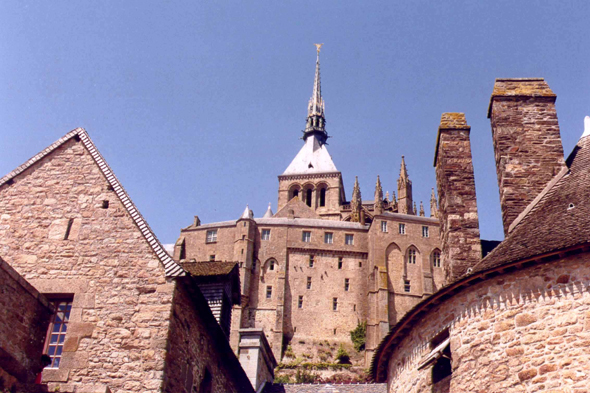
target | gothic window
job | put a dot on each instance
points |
(57, 330)
(308, 282)
(323, 197)
(383, 226)
(339, 262)
(335, 304)
(211, 236)
(300, 302)
(349, 239)
(311, 260)
(265, 234)
(328, 237)
(306, 236)
(424, 231)
(269, 292)
(346, 284)
(308, 197)
(412, 256)
(436, 258)
(402, 229)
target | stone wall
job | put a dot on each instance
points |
(526, 331)
(527, 142)
(459, 222)
(24, 317)
(197, 350)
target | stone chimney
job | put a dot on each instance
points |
(457, 206)
(527, 143)
(256, 357)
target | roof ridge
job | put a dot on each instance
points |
(170, 266)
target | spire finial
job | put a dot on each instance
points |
(378, 203)
(315, 112)
(356, 202)
(318, 46)
(421, 209)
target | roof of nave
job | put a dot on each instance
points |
(553, 225)
(312, 158)
(170, 266)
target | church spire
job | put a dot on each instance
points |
(356, 202)
(378, 203)
(404, 191)
(316, 121)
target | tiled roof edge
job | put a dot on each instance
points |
(171, 268)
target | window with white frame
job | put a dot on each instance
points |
(306, 236)
(57, 331)
(349, 239)
(424, 231)
(436, 258)
(265, 234)
(211, 236)
(407, 286)
(412, 256)
(402, 229)
(328, 238)
(383, 226)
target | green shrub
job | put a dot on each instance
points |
(304, 376)
(342, 355)
(359, 336)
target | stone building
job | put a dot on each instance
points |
(322, 264)
(517, 320)
(126, 317)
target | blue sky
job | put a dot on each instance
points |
(198, 106)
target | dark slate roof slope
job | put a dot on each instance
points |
(203, 269)
(558, 220)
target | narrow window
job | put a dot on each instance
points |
(211, 236)
(354, 307)
(424, 231)
(182, 251)
(308, 282)
(306, 236)
(360, 264)
(243, 237)
(412, 256)
(308, 197)
(311, 260)
(295, 193)
(436, 259)
(57, 330)
(383, 226)
(334, 306)
(339, 262)
(269, 292)
(244, 225)
(442, 366)
(265, 234)
(402, 229)
(271, 265)
(242, 251)
(349, 239)
(295, 329)
(407, 286)
(323, 197)
(68, 229)
(211, 258)
(300, 302)
(105, 204)
(346, 284)
(334, 331)
(328, 237)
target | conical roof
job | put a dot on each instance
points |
(312, 158)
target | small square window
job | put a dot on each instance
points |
(308, 282)
(335, 304)
(349, 239)
(306, 236)
(212, 258)
(265, 234)
(407, 286)
(424, 231)
(346, 284)
(311, 260)
(339, 262)
(269, 292)
(300, 302)
(211, 236)
(328, 237)
(402, 229)
(383, 226)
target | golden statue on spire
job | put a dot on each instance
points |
(318, 46)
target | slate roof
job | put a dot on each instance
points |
(312, 158)
(205, 269)
(327, 388)
(172, 269)
(302, 222)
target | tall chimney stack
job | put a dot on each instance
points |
(527, 143)
(457, 206)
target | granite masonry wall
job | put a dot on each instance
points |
(24, 317)
(459, 222)
(527, 142)
(525, 331)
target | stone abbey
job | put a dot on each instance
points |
(322, 264)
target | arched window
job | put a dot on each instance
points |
(436, 258)
(295, 193)
(323, 197)
(308, 197)
(412, 256)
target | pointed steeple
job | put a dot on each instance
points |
(404, 191)
(269, 212)
(421, 209)
(378, 203)
(387, 196)
(356, 202)
(316, 121)
(247, 214)
(433, 205)
(414, 210)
